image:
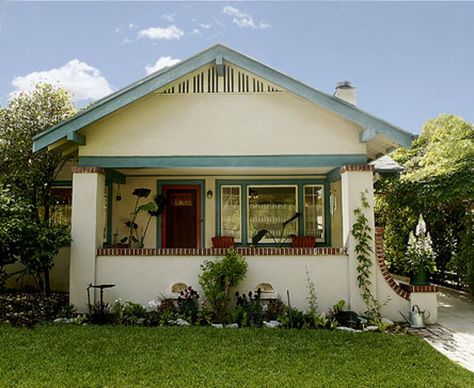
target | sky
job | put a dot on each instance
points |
(409, 61)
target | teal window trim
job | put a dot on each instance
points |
(300, 183)
(198, 182)
(110, 193)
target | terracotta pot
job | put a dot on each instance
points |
(303, 241)
(223, 242)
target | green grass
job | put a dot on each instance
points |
(94, 356)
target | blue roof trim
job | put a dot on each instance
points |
(218, 52)
(267, 161)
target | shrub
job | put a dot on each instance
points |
(188, 306)
(27, 310)
(218, 277)
(248, 311)
(129, 313)
(274, 309)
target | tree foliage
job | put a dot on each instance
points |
(29, 175)
(15, 213)
(438, 182)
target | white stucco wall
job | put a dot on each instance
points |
(144, 278)
(221, 124)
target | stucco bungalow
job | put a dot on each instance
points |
(235, 146)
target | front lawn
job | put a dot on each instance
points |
(80, 356)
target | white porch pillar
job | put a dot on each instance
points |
(357, 179)
(88, 185)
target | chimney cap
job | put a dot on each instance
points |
(344, 85)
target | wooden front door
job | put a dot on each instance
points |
(181, 221)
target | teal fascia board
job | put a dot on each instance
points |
(115, 177)
(218, 53)
(334, 175)
(76, 138)
(266, 161)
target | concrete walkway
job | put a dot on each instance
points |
(454, 334)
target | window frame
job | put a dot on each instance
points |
(318, 239)
(300, 183)
(221, 195)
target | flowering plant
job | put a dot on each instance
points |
(420, 256)
(188, 306)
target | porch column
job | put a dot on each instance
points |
(87, 229)
(357, 179)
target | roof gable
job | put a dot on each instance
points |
(219, 55)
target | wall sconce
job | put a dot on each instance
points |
(209, 194)
(118, 197)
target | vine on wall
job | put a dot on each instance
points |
(362, 232)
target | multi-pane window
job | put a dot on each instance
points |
(268, 208)
(314, 211)
(231, 212)
(61, 205)
(247, 208)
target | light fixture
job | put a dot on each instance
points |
(209, 194)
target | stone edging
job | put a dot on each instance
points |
(220, 251)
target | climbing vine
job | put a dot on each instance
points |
(362, 232)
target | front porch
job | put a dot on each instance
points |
(235, 202)
(232, 202)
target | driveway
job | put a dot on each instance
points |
(454, 334)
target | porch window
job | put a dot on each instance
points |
(248, 206)
(231, 212)
(269, 207)
(314, 211)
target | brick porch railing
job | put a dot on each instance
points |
(402, 289)
(220, 251)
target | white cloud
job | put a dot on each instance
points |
(242, 19)
(168, 33)
(126, 41)
(218, 22)
(196, 31)
(132, 26)
(118, 29)
(205, 26)
(168, 17)
(161, 63)
(83, 81)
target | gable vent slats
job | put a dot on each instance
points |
(233, 80)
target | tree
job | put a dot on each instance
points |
(438, 181)
(15, 214)
(30, 175)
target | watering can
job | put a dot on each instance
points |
(417, 317)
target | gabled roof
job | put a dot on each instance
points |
(67, 130)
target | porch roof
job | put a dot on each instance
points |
(375, 131)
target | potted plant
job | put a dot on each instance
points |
(420, 256)
(136, 234)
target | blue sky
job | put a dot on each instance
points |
(409, 61)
